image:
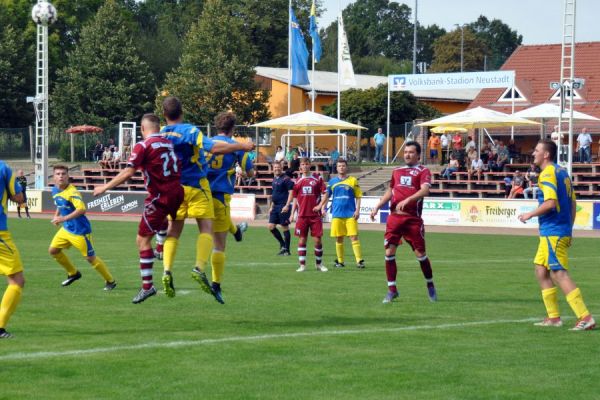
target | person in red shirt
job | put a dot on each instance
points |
(409, 185)
(156, 158)
(307, 196)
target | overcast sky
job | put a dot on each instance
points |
(539, 21)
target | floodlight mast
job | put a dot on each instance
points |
(40, 103)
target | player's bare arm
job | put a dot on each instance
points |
(357, 212)
(289, 201)
(384, 200)
(294, 206)
(323, 204)
(544, 208)
(17, 198)
(221, 147)
(124, 175)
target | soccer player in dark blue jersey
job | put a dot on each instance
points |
(556, 215)
(221, 176)
(279, 211)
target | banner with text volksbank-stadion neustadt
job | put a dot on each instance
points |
(449, 81)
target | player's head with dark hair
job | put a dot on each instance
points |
(545, 151)
(150, 123)
(172, 108)
(416, 145)
(305, 165)
(225, 122)
(342, 161)
(304, 160)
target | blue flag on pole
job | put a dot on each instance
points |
(299, 52)
(314, 33)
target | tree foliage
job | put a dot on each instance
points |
(105, 80)
(370, 107)
(14, 112)
(447, 49)
(217, 69)
(500, 40)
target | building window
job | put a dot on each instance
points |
(556, 95)
(511, 93)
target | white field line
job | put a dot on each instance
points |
(254, 338)
(118, 264)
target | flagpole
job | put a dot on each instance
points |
(339, 97)
(289, 96)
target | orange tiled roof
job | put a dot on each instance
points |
(536, 66)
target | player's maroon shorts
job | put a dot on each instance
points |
(157, 209)
(409, 227)
(303, 224)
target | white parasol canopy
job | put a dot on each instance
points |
(552, 111)
(479, 117)
(307, 121)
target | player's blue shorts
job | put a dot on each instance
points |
(278, 217)
(65, 239)
(553, 253)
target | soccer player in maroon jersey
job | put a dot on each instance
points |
(307, 197)
(409, 185)
(156, 158)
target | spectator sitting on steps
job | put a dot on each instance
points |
(451, 168)
(517, 186)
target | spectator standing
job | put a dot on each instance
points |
(584, 149)
(333, 159)
(434, 147)
(294, 166)
(98, 150)
(111, 145)
(512, 150)
(457, 142)
(22, 182)
(379, 139)
(470, 144)
(444, 141)
(289, 155)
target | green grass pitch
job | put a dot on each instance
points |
(286, 335)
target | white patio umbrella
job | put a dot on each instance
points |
(308, 121)
(479, 117)
(551, 111)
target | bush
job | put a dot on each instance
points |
(64, 152)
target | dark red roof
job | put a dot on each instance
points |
(536, 66)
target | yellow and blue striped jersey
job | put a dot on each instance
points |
(555, 184)
(343, 194)
(8, 188)
(67, 201)
(221, 167)
(190, 144)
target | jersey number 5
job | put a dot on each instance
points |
(166, 157)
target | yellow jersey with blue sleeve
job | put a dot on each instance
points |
(67, 201)
(189, 144)
(10, 259)
(8, 188)
(555, 184)
(343, 194)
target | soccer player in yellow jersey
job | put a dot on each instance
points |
(345, 195)
(556, 214)
(76, 230)
(10, 260)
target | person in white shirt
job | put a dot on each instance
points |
(444, 141)
(584, 142)
(471, 144)
(116, 159)
(477, 166)
(280, 154)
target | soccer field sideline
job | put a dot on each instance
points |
(191, 343)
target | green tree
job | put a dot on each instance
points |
(369, 106)
(105, 80)
(14, 112)
(217, 69)
(426, 37)
(447, 49)
(500, 40)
